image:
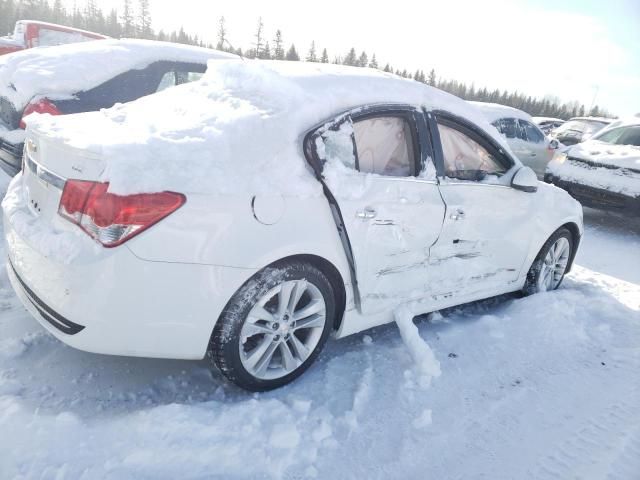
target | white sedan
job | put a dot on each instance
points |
(250, 215)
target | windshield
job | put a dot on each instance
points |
(588, 127)
(629, 135)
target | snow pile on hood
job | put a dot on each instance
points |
(621, 156)
(66, 69)
(598, 173)
(229, 131)
(495, 111)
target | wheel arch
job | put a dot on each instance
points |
(575, 237)
(332, 273)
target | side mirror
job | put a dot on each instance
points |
(525, 179)
(554, 144)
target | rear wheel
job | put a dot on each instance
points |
(550, 266)
(274, 327)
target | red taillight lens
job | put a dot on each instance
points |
(39, 106)
(113, 219)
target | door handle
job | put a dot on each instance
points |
(366, 214)
(533, 154)
(457, 215)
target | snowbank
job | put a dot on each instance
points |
(66, 69)
(229, 131)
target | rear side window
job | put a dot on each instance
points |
(177, 77)
(464, 157)
(506, 126)
(533, 134)
(384, 146)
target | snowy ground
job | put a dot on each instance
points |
(530, 388)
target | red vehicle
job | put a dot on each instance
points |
(30, 34)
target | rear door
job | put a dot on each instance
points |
(376, 164)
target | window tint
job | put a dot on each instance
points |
(533, 134)
(168, 80)
(177, 77)
(384, 146)
(506, 126)
(464, 158)
(630, 136)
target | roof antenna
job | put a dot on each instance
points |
(234, 50)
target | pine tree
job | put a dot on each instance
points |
(259, 38)
(432, 78)
(325, 56)
(373, 63)
(311, 56)
(363, 60)
(278, 51)
(387, 68)
(127, 19)
(144, 19)
(266, 52)
(351, 58)
(222, 34)
(292, 54)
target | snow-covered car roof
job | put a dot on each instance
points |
(539, 120)
(594, 119)
(239, 128)
(495, 111)
(66, 69)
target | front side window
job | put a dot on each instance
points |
(465, 158)
(532, 132)
(384, 146)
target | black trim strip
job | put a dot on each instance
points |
(54, 318)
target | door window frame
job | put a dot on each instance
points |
(422, 146)
(469, 129)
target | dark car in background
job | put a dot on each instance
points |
(603, 172)
(86, 77)
(579, 129)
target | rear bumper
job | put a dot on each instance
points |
(10, 157)
(115, 303)
(597, 197)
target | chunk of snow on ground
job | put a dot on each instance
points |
(425, 361)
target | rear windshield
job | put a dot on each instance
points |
(581, 126)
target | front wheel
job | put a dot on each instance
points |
(550, 266)
(274, 327)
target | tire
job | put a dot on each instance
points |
(539, 277)
(259, 326)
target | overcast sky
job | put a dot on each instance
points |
(574, 49)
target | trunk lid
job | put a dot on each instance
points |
(48, 163)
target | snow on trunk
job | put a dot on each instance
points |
(427, 366)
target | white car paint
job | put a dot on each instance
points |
(161, 293)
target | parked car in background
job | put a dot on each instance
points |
(247, 216)
(579, 129)
(603, 172)
(546, 124)
(526, 140)
(87, 76)
(30, 34)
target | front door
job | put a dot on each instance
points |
(487, 228)
(392, 210)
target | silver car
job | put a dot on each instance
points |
(524, 137)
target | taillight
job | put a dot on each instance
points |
(39, 106)
(113, 219)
